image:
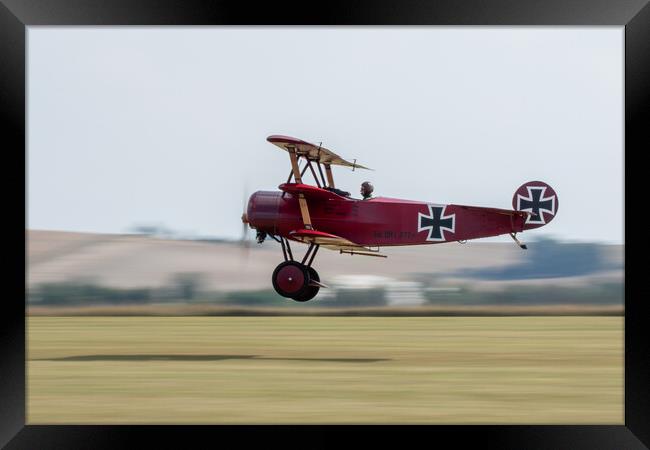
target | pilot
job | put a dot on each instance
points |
(366, 190)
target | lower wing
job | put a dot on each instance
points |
(333, 242)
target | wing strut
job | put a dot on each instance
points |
(304, 210)
(328, 172)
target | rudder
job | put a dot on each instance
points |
(538, 198)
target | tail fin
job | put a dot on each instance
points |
(539, 199)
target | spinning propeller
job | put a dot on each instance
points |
(245, 239)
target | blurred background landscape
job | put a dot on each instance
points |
(153, 270)
(137, 136)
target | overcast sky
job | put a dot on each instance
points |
(167, 125)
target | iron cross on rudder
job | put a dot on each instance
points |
(535, 203)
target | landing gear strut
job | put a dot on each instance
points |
(293, 279)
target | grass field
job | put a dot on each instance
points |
(224, 370)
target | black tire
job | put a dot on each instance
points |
(277, 284)
(311, 291)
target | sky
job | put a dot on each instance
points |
(167, 125)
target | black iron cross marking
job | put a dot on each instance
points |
(535, 203)
(435, 222)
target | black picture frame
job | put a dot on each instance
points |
(16, 15)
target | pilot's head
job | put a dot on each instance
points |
(366, 189)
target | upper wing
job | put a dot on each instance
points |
(311, 152)
(332, 242)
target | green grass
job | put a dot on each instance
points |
(223, 370)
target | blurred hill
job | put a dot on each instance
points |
(549, 258)
(135, 260)
(144, 266)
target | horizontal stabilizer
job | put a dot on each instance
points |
(507, 212)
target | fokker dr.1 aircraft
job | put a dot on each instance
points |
(323, 216)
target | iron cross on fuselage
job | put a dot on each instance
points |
(435, 222)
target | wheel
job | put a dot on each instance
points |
(311, 291)
(290, 279)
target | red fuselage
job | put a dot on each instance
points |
(381, 221)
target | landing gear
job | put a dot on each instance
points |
(312, 289)
(293, 279)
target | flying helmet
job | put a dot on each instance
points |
(366, 189)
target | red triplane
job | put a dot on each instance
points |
(323, 216)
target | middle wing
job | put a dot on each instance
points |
(311, 192)
(332, 242)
